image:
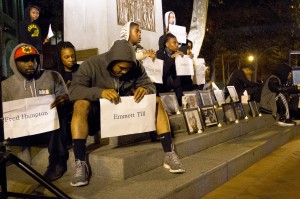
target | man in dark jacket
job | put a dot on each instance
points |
(277, 96)
(241, 80)
(109, 75)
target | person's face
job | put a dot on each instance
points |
(27, 66)
(121, 68)
(135, 35)
(34, 14)
(172, 44)
(248, 72)
(171, 18)
(67, 56)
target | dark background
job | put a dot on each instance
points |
(266, 29)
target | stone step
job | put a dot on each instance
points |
(127, 161)
(206, 169)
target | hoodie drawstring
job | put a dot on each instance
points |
(117, 85)
(33, 92)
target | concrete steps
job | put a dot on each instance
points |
(134, 171)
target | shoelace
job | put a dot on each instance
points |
(175, 158)
(79, 170)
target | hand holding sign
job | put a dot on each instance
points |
(111, 95)
(139, 94)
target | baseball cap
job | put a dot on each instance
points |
(25, 51)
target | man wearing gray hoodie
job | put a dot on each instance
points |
(30, 81)
(109, 75)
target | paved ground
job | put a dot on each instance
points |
(277, 176)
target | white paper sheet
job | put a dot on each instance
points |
(29, 116)
(127, 117)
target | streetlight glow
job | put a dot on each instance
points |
(250, 58)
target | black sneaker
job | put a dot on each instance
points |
(286, 122)
(57, 167)
(55, 171)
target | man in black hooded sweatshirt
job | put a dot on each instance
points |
(277, 96)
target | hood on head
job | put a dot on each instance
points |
(121, 50)
(27, 12)
(125, 32)
(167, 19)
(282, 71)
(18, 52)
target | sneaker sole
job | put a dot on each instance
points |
(79, 184)
(285, 124)
(173, 171)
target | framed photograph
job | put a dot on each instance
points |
(296, 75)
(191, 100)
(219, 97)
(177, 123)
(209, 116)
(239, 110)
(229, 113)
(213, 98)
(206, 98)
(193, 120)
(170, 103)
(193, 93)
(253, 109)
(233, 94)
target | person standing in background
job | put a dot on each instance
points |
(170, 18)
(29, 31)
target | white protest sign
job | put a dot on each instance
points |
(154, 69)
(184, 65)
(200, 68)
(29, 116)
(50, 32)
(179, 32)
(127, 117)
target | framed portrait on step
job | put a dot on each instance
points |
(193, 120)
(170, 103)
(209, 116)
(253, 109)
(206, 98)
(219, 97)
(229, 113)
(239, 110)
(233, 94)
(194, 93)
